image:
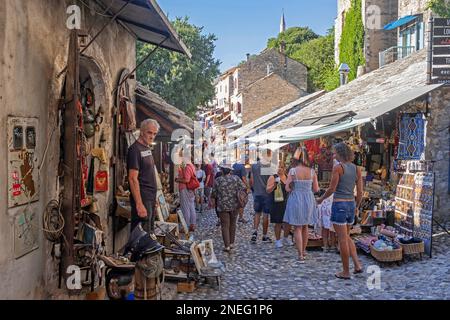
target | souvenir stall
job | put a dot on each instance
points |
(396, 213)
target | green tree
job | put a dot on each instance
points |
(440, 7)
(293, 38)
(318, 56)
(183, 82)
(351, 47)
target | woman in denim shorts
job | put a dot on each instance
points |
(344, 178)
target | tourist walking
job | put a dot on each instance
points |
(261, 199)
(187, 184)
(276, 186)
(199, 193)
(225, 194)
(240, 171)
(301, 205)
(344, 177)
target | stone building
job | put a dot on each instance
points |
(265, 95)
(270, 67)
(43, 71)
(375, 15)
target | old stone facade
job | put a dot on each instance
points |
(34, 43)
(375, 15)
(266, 95)
(271, 60)
(410, 7)
(233, 86)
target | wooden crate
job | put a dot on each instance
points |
(186, 286)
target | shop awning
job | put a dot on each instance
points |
(400, 22)
(145, 19)
(397, 101)
(273, 146)
(324, 131)
(281, 134)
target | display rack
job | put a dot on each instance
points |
(414, 205)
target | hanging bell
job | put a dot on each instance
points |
(89, 130)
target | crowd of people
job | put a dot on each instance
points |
(285, 197)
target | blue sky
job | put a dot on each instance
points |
(243, 26)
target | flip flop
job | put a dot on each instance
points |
(341, 277)
(358, 271)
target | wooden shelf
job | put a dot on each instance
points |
(402, 213)
(401, 199)
(404, 186)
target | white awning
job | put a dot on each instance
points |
(277, 135)
(324, 131)
(273, 146)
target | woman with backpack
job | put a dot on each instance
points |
(187, 184)
(226, 193)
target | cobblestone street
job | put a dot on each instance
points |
(260, 271)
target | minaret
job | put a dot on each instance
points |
(283, 44)
(282, 23)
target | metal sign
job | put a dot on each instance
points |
(446, 82)
(438, 51)
(441, 22)
(441, 72)
(441, 32)
(441, 60)
(442, 41)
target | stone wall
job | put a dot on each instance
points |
(33, 50)
(266, 95)
(438, 150)
(342, 7)
(256, 68)
(377, 15)
(409, 7)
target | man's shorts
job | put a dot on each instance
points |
(262, 204)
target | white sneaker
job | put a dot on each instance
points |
(278, 244)
(287, 242)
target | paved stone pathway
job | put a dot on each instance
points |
(260, 271)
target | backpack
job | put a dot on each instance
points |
(193, 183)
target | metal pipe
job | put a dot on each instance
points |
(98, 33)
(430, 48)
(139, 64)
(106, 24)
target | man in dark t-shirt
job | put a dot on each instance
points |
(141, 176)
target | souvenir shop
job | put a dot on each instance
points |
(396, 214)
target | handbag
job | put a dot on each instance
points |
(193, 183)
(278, 195)
(242, 197)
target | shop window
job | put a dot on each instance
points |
(18, 138)
(31, 138)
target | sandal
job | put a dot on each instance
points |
(301, 260)
(227, 249)
(356, 271)
(340, 276)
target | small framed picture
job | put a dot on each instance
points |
(183, 223)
